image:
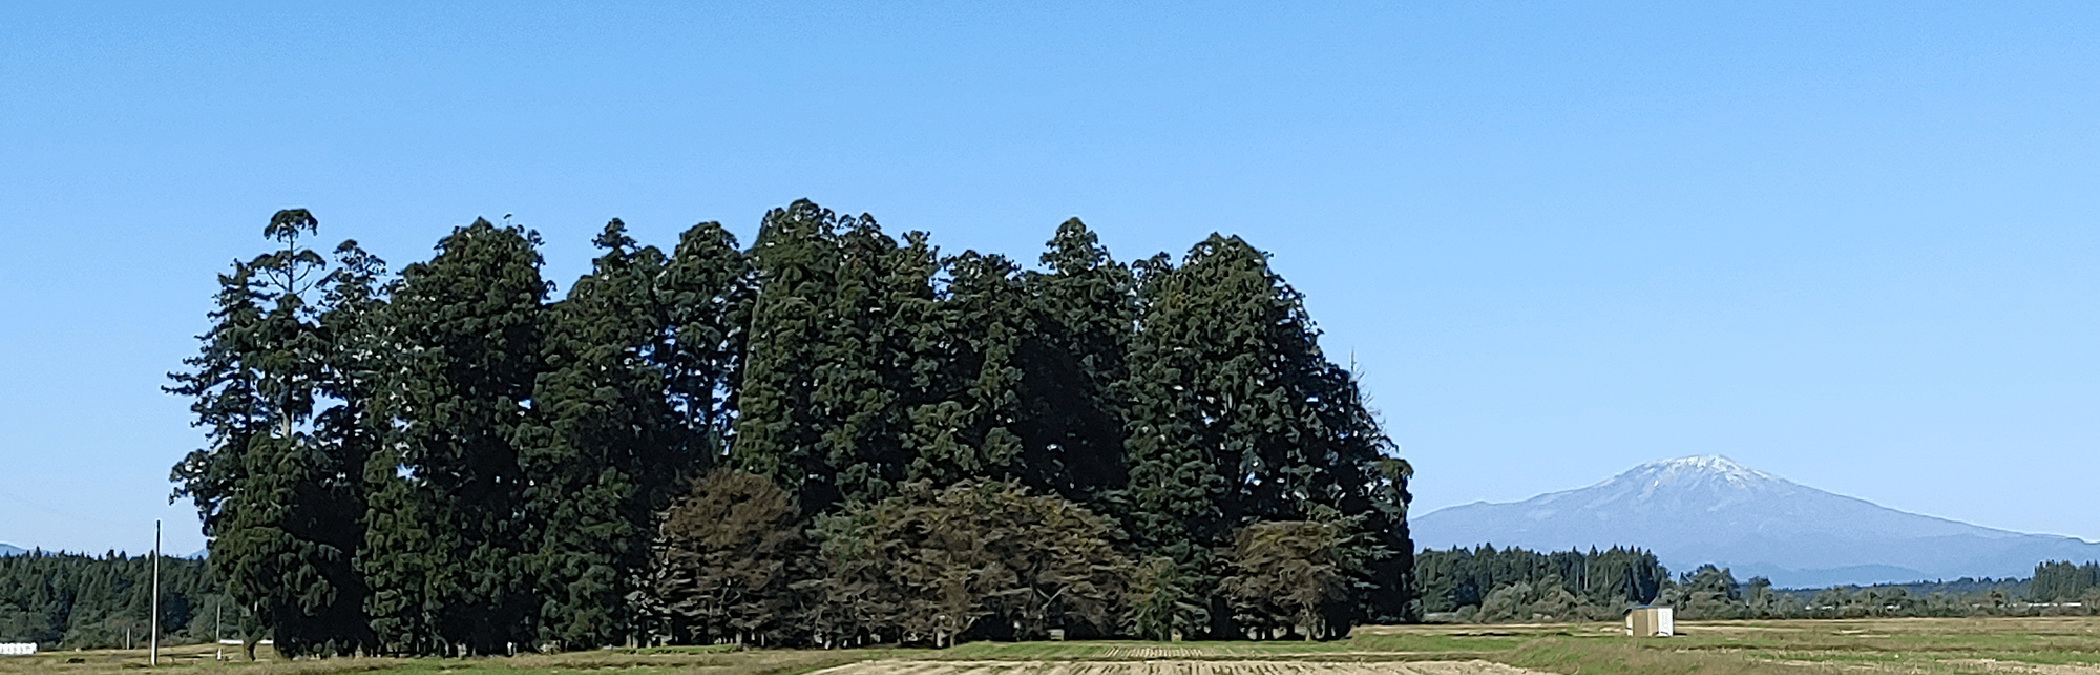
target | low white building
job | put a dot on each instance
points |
(1651, 622)
(17, 648)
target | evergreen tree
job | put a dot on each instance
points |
(706, 290)
(779, 433)
(599, 436)
(963, 375)
(1072, 362)
(2062, 580)
(864, 351)
(73, 601)
(1237, 417)
(447, 532)
(277, 489)
(1606, 582)
(822, 408)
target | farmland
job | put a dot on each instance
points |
(1993, 646)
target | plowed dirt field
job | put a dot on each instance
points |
(1170, 666)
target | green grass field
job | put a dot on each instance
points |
(2012, 646)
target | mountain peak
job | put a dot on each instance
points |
(1708, 509)
(1696, 469)
(1702, 462)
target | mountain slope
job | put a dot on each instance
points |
(1707, 509)
(10, 550)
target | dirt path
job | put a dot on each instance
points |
(1178, 667)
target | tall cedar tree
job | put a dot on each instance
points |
(1237, 417)
(965, 389)
(706, 291)
(1071, 362)
(277, 487)
(859, 395)
(600, 438)
(821, 408)
(778, 431)
(447, 537)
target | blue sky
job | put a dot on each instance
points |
(1853, 244)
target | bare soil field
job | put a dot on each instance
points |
(1172, 667)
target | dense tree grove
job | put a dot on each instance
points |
(2062, 580)
(67, 601)
(833, 437)
(1514, 583)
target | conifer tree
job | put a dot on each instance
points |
(1072, 363)
(707, 290)
(778, 431)
(964, 395)
(1237, 417)
(447, 535)
(277, 489)
(600, 431)
(860, 397)
(820, 409)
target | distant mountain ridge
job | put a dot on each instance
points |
(10, 550)
(1707, 509)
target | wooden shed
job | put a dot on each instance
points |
(1650, 622)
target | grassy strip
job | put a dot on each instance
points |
(1625, 657)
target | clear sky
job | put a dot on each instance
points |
(1854, 244)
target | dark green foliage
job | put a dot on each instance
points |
(1292, 578)
(2061, 580)
(1072, 367)
(865, 356)
(449, 464)
(706, 292)
(68, 601)
(1160, 603)
(727, 554)
(1707, 593)
(963, 392)
(448, 538)
(982, 559)
(780, 433)
(277, 487)
(1447, 581)
(597, 447)
(1236, 417)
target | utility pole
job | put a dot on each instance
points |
(153, 638)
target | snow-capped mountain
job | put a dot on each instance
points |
(10, 550)
(1708, 509)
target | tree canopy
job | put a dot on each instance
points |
(457, 461)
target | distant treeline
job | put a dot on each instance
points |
(1513, 583)
(2062, 580)
(1489, 585)
(69, 601)
(449, 461)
